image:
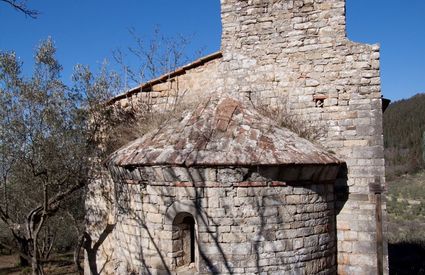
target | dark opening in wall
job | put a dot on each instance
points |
(184, 238)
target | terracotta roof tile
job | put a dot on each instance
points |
(221, 132)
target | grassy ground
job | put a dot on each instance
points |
(406, 224)
(60, 265)
(406, 208)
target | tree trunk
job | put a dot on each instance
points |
(77, 253)
(36, 267)
(23, 247)
(35, 222)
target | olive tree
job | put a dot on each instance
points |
(46, 145)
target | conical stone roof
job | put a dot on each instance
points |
(220, 132)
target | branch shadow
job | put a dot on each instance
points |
(221, 260)
(92, 249)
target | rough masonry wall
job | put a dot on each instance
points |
(100, 220)
(100, 203)
(243, 227)
(184, 88)
(295, 52)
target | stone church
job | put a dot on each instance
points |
(223, 189)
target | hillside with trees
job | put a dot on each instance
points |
(404, 127)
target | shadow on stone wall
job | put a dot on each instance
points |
(202, 219)
(342, 190)
(129, 202)
(92, 248)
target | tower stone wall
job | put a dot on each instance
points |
(296, 53)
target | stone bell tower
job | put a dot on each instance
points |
(261, 27)
(296, 53)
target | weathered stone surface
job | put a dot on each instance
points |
(255, 229)
(293, 53)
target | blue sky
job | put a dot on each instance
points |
(87, 31)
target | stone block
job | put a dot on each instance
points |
(363, 247)
(298, 243)
(182, 173)
(154, 217)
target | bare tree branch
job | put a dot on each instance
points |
(22, 7)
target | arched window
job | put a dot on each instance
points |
(184, 241)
